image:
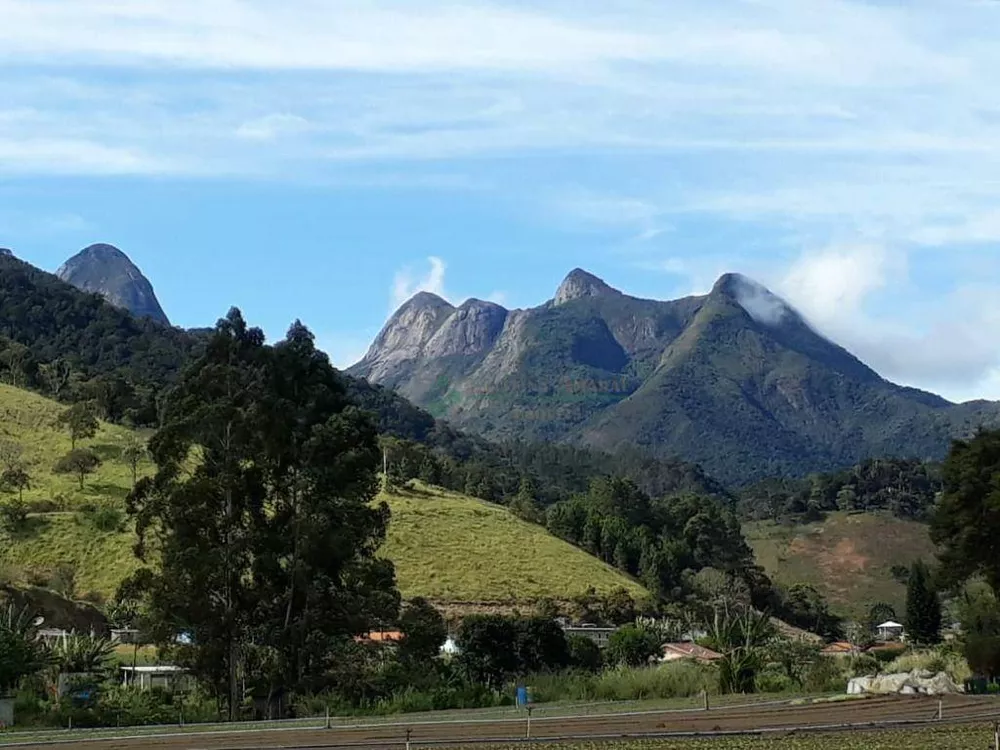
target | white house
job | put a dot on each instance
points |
(450, 647)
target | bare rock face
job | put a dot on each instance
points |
(579, 284)
(106, 270)
(470, 331)
(403, 338)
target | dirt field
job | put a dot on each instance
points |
(957, 709)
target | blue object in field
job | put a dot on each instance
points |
(522, 695)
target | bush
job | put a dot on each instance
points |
(863, 665)
(775, 682)
(827, 675)
(104, 518)
(677, 680)
(13, 516)
(127, 707)
(44, 506)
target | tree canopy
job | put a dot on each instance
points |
(966, 525)
(268, 546)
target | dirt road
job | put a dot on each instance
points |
(956, 709)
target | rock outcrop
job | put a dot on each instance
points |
(106, 270)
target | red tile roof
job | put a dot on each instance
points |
(380, 636)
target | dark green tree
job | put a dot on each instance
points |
(966, 523)
(268, 546)
(79, 461)
(541, 646)
(808, 609)
(525, 505)
(632, 646)
(619, 607)
(584, 653)
(424, 632)
(430, 472)
(16, 480)
(979, 616)
(488, 648)
(923, 607)
(80, 422)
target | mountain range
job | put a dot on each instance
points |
(735, 380)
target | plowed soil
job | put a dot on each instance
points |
(844, 715)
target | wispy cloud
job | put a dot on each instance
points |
(859, 138)
(437, 80)
(407, 282)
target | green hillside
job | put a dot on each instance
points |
(449, 547)
(446, 546)
(30, 420)
(848, 557)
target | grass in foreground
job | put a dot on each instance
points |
(849, 558)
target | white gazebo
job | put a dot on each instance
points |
(890, 631)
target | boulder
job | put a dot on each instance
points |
(904, 683)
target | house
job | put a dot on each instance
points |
(677, 651)
(600, 636)
(890, 631)
(162, 676)
(840, 648)
(380, 638)
(450, 647)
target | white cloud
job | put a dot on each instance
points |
(831, 285)
(407, 282)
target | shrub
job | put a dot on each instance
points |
(676, 680)
(104, 518)
(13, 516)
(51, 505)
(863, 665)
(826, 675)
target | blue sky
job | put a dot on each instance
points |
(322, 160)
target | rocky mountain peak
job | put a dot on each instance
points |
(580, 283)
(104, 269)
